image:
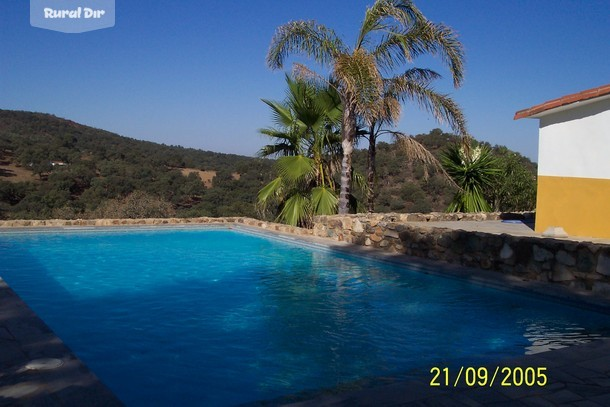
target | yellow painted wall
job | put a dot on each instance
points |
(580, 205)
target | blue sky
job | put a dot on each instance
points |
(192, 73)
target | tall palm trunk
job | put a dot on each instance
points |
(371, 169)
(348, 133)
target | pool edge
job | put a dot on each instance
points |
(25, 338)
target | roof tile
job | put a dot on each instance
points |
(564, 100)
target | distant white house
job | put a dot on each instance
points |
(574, 163)
(58, 163)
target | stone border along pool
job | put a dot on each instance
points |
(582, 372)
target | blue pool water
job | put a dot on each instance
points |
(221, 317)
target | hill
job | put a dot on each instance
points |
(52, 167)
(56, 168)
(405, 186)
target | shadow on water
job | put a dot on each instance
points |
(18, 266)
(541, 291)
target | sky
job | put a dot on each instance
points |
(193, 72)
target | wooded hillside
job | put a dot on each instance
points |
(56, 168)
(51, 167)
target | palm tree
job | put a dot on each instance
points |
(308, 144)
(393, 33)
(413, 85)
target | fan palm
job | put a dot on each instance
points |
(307, 141)
(393, 33)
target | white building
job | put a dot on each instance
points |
(574, 163)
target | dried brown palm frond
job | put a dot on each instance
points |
(415, 151)
(303, 73)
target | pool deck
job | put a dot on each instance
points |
(577, 375)
(24, 339)
(499, 227)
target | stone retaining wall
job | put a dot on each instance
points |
(385, 217)
(579, 265)
(154, 222)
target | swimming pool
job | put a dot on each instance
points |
(222, 317)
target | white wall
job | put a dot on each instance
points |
(576, 142)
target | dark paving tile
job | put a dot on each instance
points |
(580, 372)
(525, 391)
(603, 399)
(443, 401)
(536, 402)
(599, 364)
(586, 403)
(601, 381)
(588, 391)
(70, 384)
(10, 354)
(484, 396)
(508, 403)
(5, 335)
(563, 376)
(563, 396)
(467, 401)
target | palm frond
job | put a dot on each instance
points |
(304, 73)
(270, 191)
(415, 151)
(389, 52)
(402, 45)
(451, 51)
(324, 201)
(276, 150)
(305, 38)
(442, 107)
(286, 142)
(296, 210)
(402, 12)
(361, 183)
(281, 114)
(438, 40)
(361, 82)
(305, 101)
(295, 169)
(422, 76)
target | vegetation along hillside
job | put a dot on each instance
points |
(56, 168)
(409, 186)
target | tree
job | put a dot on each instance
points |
(308, 144)
(136, 205)
(514, 189)
(308, 115)
(474, 170)
(413, 85)
(393, 32)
